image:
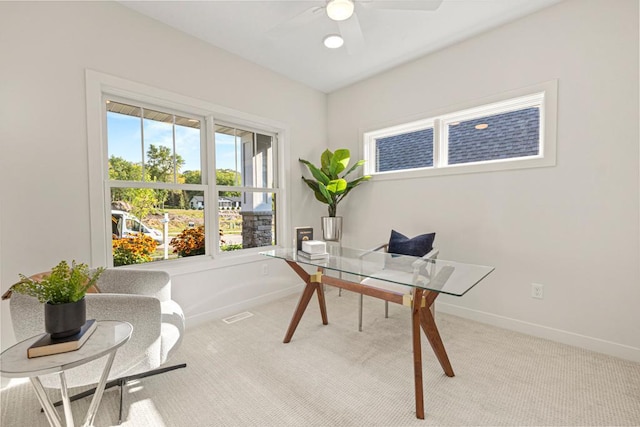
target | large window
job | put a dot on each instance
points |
(176, 178)
(510, 133)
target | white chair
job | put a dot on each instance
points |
(394, 287)
(140, 297)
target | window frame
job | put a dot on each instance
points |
(99, 86)
(544, 93)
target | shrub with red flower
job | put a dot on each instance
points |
(189, 242)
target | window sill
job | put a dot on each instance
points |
(493, 166)
(200, 263)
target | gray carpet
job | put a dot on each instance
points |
(241, 374)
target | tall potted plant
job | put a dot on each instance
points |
(330, 186)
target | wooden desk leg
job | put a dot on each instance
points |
(417, 352)
(302, 306)
(428, 324)
(310, 288)
(321, 300)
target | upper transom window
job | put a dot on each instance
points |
(513, 132)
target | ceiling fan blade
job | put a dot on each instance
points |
(299, 20)
(402, 4)
(352, 34)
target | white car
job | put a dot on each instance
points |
(123, 224)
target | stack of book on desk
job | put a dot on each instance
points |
(314, 249)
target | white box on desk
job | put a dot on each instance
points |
(314, 246)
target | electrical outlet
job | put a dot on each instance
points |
(537, 290)
(265, 269)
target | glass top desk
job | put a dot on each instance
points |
(410, 281)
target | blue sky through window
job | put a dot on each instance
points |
(124, 136)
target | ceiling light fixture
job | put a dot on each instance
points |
(482, 126)
(333, 41)
(339, 10)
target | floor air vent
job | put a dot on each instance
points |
(237, 317)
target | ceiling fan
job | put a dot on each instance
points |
(344, 12)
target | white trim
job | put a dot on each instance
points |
(96, 154)
(99, 84)
(485, 110)
(518, 98)
(403, 128)
(564, 337)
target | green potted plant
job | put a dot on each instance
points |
(62, 292)
(330, 186)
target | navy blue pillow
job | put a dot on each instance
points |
(417, 246)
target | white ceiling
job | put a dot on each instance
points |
(265, 32)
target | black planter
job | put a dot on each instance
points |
(63, 320)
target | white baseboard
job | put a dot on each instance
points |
(565, 337)
(589, 343)
(228, 310)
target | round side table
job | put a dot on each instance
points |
(105, 341)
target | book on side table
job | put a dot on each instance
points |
(47, 346)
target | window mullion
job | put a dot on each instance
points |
(173, 138)
(437, 148)
(443, 143)
(144, 164)
(440, 144)
(273, 161)
(210, 202)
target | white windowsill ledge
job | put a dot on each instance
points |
(201, 263)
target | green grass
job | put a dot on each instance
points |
(180, 219)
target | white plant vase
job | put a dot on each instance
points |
(331, 228)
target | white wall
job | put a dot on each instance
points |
(46, 48)
(573, 227)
